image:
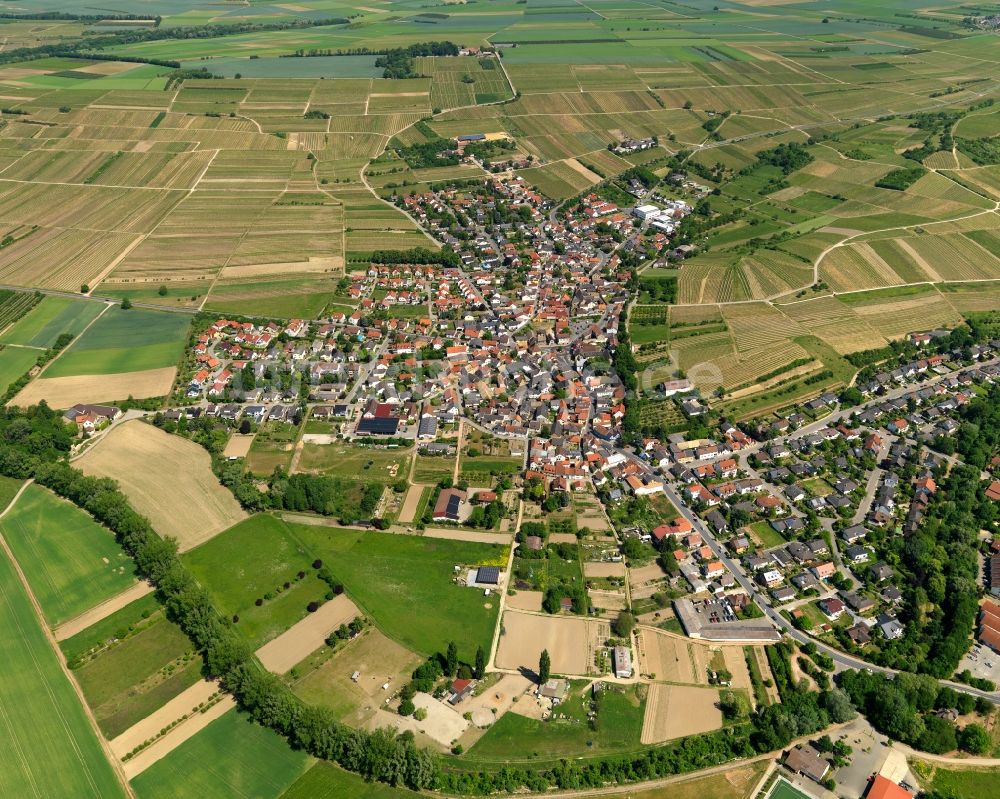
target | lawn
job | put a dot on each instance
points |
(737, 782)
(517, 738)
(431, 469)
(138, 674)
(231, 757)
(768, 536)
(124, 341)
(960, 783)
(254, 560)
(406, 584)
(71, 562)
(326, 781)
(53, 316)
(273, 446)
(51, 750)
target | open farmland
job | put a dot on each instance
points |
(166, 477)
(52, 317)
(71, 562)
(232, 756)
(51, 748)
(124, 341)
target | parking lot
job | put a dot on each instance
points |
(982, 662)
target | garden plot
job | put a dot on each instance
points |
(674, 711)
(571, 642)
(167, 478)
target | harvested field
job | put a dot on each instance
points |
(673, 711)
(296, 643)
(411, 503)
(607, 600)
(736, 663)
(62, 392)
(671, 657)
(570, 640)
(167, 478)
(645, 574)
(179, 706)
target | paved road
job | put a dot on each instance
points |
(840, 659)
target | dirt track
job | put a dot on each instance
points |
(95, 614)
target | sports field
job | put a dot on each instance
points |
(231, 757)
(50, 748)
(785, 790)
(71, 562)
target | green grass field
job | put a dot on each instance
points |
(517, 738)
(117, 625)
(231, 757)
(406, 585)
(326, 781)
(356, 463)
(71, 562)
(49, 747)
(254, 560)
(14, 362)
(124, 341)
(53, 316)
(138, 674)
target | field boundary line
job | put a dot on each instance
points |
(42, 371)
(40, 618)
(101, 611)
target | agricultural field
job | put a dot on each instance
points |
(154, 468)
(52, 748)
(232, 756)
(71, 562)
(124, 341)
(49, 319)
(127, 680)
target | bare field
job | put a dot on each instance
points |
(570, 640)
(526, 600)
(62, 392)
(673, 711)
(167, 478)
(672, 658)
(308, 635)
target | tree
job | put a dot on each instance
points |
(126, 304)
(162, 291)
(974, 739)
(451, 659)
(838, 704)
(624, 624)
(84, 289)
(544, 667)
(480, 663)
